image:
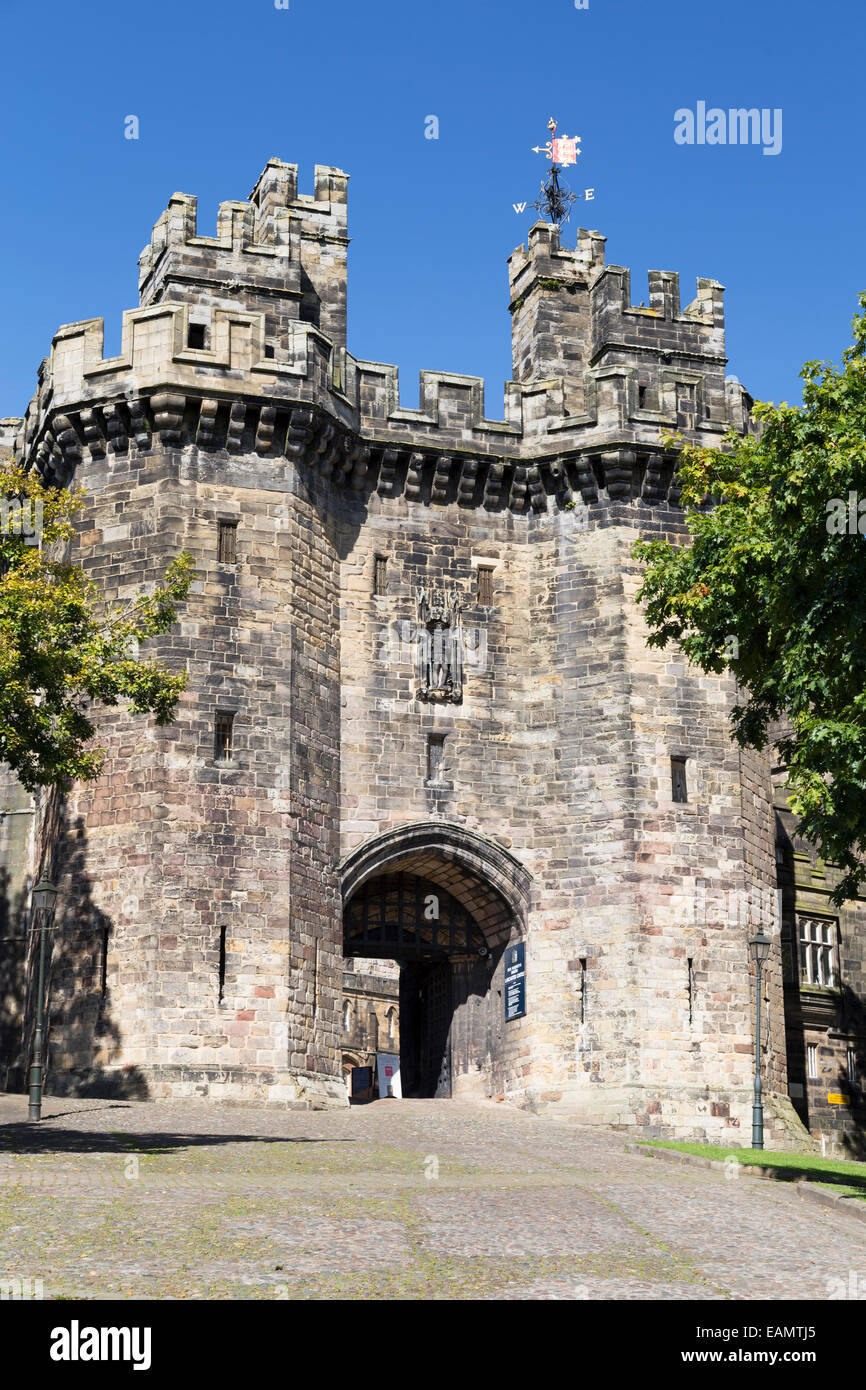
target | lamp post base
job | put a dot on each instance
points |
(757, 1126)
(35, 1110)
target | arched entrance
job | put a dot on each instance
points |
(443, 903)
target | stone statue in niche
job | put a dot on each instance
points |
(440, 647)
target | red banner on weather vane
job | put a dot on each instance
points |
(560, 149)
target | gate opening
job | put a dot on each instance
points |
(449, 1033)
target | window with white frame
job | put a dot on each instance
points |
(817, 936)
(852, 1067)
(812, 1061)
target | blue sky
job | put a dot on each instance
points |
(221, 87)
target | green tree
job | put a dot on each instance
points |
(63, 649)
(773, 587)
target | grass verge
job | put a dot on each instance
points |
(840, 1174)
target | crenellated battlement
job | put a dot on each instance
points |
(240, 339)
(702, 322)
(279, 251)
(572, 315)
(545, 257)
(11, 429)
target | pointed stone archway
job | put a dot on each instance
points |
(444, 902)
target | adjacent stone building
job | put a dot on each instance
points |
(423, 724)
(371, 1012)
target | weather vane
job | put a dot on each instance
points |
(556, 199)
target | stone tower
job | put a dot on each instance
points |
(422, 720)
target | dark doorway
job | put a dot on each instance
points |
(425, 1020)
(440, 949)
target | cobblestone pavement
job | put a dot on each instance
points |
(403, 1199)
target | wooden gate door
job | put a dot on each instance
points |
(435, 1027)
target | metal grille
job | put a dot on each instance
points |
(222, 736)
(435, 1051)
(404, 916)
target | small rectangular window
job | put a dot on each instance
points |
(222, 742)
(691, 989)
(679, 789)
(485, 585)
(812, 1061)
(269, 349)
(852, 1067)
(686, 405)
(435, 757)
(582, 990)
(196, 336)
(380, 575)
(227, 542)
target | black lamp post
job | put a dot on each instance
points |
(759, 949)
(43, 898)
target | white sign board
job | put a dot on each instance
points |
(388, 1064)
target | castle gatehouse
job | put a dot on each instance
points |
(424, 740)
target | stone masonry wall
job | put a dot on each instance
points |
(171, 847)
(828, 1020)
(560, 750)
(552, 818)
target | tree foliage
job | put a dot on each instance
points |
(773, 588)
(63, 649)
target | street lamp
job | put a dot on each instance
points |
(43, 897)
(759, 949)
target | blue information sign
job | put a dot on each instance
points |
(515, 981)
